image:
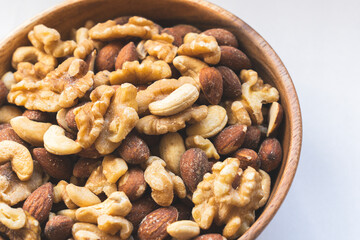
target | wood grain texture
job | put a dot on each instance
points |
(74, 13)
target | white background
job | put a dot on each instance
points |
(319, 42)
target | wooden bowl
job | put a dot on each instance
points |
(204, 15)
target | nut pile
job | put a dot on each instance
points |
(133, 131)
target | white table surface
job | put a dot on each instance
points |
(319, 42)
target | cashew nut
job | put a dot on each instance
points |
(20, 157)
(13, 218)
(57, 143)
(112, 225)
(8, 79)
(177, 101)
(81, 196)
(30, 131)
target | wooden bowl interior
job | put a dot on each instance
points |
(203, 15)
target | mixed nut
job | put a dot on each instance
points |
(134, 131)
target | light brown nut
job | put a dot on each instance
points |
(149, 70)
(247, 157)
(81, 196)
(106, 58)
(134, 150)
(210, 236)
(122, 20)
(193, 165)
(214, 122)
(55, 135)
(56, 166)
(112, 225)
(270, 154)
(117, 204)
(20, 157)
(120, 118)
(234, 59)
(58, 228)
(133, 183)
(37, 116)
(231, 83)
(127, 54)
(90, 152)
(13, 190)
(180, 99)
(12, 218)
(189, 66)
(237, 113)
(184, 229)
(87, 231)
(30, 131)
(10, 134)
(113, 168)
(62, 118)
(140, 209)
(153, 226)
(40, 202)
(84, 167)
(171, 148)
(223, 37)
(101, 78)
(275, 117)
(161, 50)
(70, 118)
(8, 112)
(49, 40)
(154, 125)
(3, 93)
(211, 84)
(8, 80)
(255, 93)
(4, 126)
(70, 213)
(206, 145)
(98, 183)
(202, 46)
(61, 194)
(179, 32)
(230, 139)
(252, 137)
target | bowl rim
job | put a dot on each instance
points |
(294, 112)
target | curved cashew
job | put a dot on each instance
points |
(20, 157)
(57, 143)
(112, 225)
(30, 131)
(81, 196)
(13, 218)
(177, 101)
(32, 55)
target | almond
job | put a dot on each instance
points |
(58, 167)
(133, 183)
(59, 228)
(223, 37)
(39, 203)
(231, 83)
(70, 118)
(275, 117)
(211, 84)
(134, 150)
(248, 158)
(140, 209)
(4, 126)
(36, 115)
(127, 54)
(90, 152)
(193, 166)
(252, 137)
(85, 166)
(184, 210)
(234, 58)
(211, 236)
(10, 134)
(230, 139)
(3, 93)
(179, 32)
(270, 154)
(106, 58)
(153, 226)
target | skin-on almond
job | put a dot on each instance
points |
(140, 209)
(9, 134)
(4, 126)
(252, 137)
(270, 154)
(40, 202)
(230, 139)
(153, 226)
(59, 228)
(37, 116)
(3, 93)
(179, 32)
(106, 58)
(193, 166)
(211, 84)
(133, 183)
(223, 37)
(90, 152)
(248, 158)
(127, 54)
(70, 118)
(231, 83)
(58, 167)
(84, 167)
(134, 150)
(234, 59)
